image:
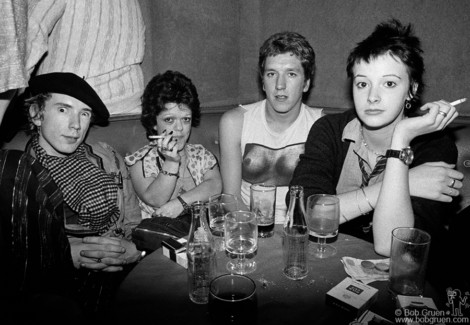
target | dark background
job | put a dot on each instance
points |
(216, 43)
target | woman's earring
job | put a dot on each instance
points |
(407, 104)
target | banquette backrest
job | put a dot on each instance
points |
(126, 135)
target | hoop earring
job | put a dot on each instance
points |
(407, 104)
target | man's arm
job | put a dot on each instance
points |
(230, 131)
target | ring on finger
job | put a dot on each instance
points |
(442, 113)
(452, 182)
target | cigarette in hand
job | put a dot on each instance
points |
(155, 137)
(459, 101)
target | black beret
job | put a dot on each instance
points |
(72, 85)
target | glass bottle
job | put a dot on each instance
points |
(200, 251)
(295, 236)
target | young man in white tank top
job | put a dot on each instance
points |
(261, 142)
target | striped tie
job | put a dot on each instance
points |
(378, 169)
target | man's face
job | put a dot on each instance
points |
(284, 82)
(63, 125)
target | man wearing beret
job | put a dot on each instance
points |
(63, 180)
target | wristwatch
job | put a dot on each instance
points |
(406, 155)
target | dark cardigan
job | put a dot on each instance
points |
(320, 167)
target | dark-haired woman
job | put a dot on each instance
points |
(169, 174)
(346, 154)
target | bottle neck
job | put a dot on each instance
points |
(297, 208)
(199, 231)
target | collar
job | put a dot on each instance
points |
(352, 133)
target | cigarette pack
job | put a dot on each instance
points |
(371, 318)
(416, 308)
(416, 302)
(175, 249)
(352, 296)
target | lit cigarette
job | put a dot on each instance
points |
(155, 137)
(459, 101)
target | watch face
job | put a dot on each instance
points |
(406, 155)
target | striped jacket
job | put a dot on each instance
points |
(101, 40)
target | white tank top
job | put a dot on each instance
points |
(271, 157)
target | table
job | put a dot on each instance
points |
(155, 291)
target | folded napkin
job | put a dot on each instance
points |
(366, 271)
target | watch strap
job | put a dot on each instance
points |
(405, 155)
(390, 153)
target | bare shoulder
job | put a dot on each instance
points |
(234, 114)
(232, 118)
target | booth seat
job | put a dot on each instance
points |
(126, 135)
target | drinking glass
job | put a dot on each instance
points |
(241, 239)
(232, 300)
(408, 260)
(219, 205)
(323, 222)
(263, 203)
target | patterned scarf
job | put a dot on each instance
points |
(87, 189)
